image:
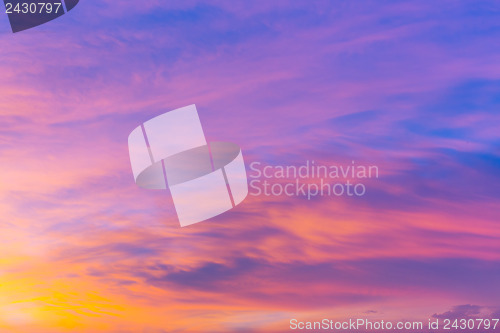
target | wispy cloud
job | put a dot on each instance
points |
(411, 88)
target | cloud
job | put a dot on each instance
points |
(411, 88)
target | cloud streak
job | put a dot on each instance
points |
(411, 88)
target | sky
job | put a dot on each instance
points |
(410, 87)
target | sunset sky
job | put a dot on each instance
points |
(410, 87)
